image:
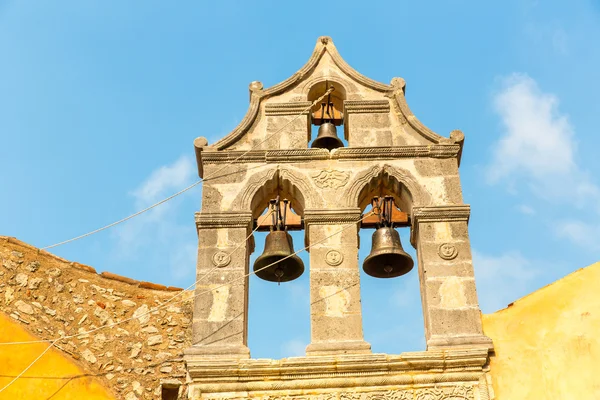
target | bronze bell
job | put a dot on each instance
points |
(387, 258)
(278, 245)
(278, 263)
(327, 138)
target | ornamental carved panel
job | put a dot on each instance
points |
(461, 392)
(331, 178)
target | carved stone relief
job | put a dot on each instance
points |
(334, 258)
(447, 393)
(447, 251)
(221, 259)
(331, 178)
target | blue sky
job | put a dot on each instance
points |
(100, 102)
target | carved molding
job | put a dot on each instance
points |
(342, 153)
(437, 214)
(331, 178)
(292, 108)
(457, 392)
(310, 197)
(441, 213)
(419, 196)
(223, 220)
(414, 122)
(366, 106)
(331, 217)
(254, 183)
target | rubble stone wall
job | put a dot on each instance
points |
(51, 297)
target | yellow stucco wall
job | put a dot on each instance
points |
(54, 376)
(547, 344)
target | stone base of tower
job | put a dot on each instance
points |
(440, 375)
(338, 347)
(225, 352)
(444, 342)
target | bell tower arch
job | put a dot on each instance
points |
(389, 152)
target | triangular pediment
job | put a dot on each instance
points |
(358, 93)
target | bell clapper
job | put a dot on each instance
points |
(278, 273)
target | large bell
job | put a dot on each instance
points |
(387, 259)
(327, 138)
(278, 245)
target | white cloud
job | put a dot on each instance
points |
(293, 348)
(525, 209)
(538, 141)
(156, 238)
(502, 279)
(586, 234)
(538, 148)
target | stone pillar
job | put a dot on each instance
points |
(367, 123)
(297, 134)
(450, 306)
(335, 310)
(220, 326)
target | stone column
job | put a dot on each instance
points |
(368, 123)
(450, 306)
(335, 310)
(296, 135)
(220, 325)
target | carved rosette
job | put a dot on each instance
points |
(447, 251)
(221, 259)
(334, 258)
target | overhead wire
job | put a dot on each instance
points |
(331, 89)
(53, 342)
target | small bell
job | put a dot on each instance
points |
(327, 138)
(387, 258)
(278, 263)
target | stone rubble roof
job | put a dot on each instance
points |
(53, 297)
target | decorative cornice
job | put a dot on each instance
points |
(406, 368)
(296, 155)
(441, 213)
(394, 152)
(366, 106)
(342, 153)
(331, 217)
(407, 380)
(223, 220)
(437, 214)
(414, 122)
(294, 108)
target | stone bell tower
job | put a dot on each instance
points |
(389, 152)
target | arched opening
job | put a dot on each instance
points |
(392, 310)
(329, 109)
(279, 314)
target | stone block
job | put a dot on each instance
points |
(447, 322)
(442, 268)
(331, 329)
(451, 292)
